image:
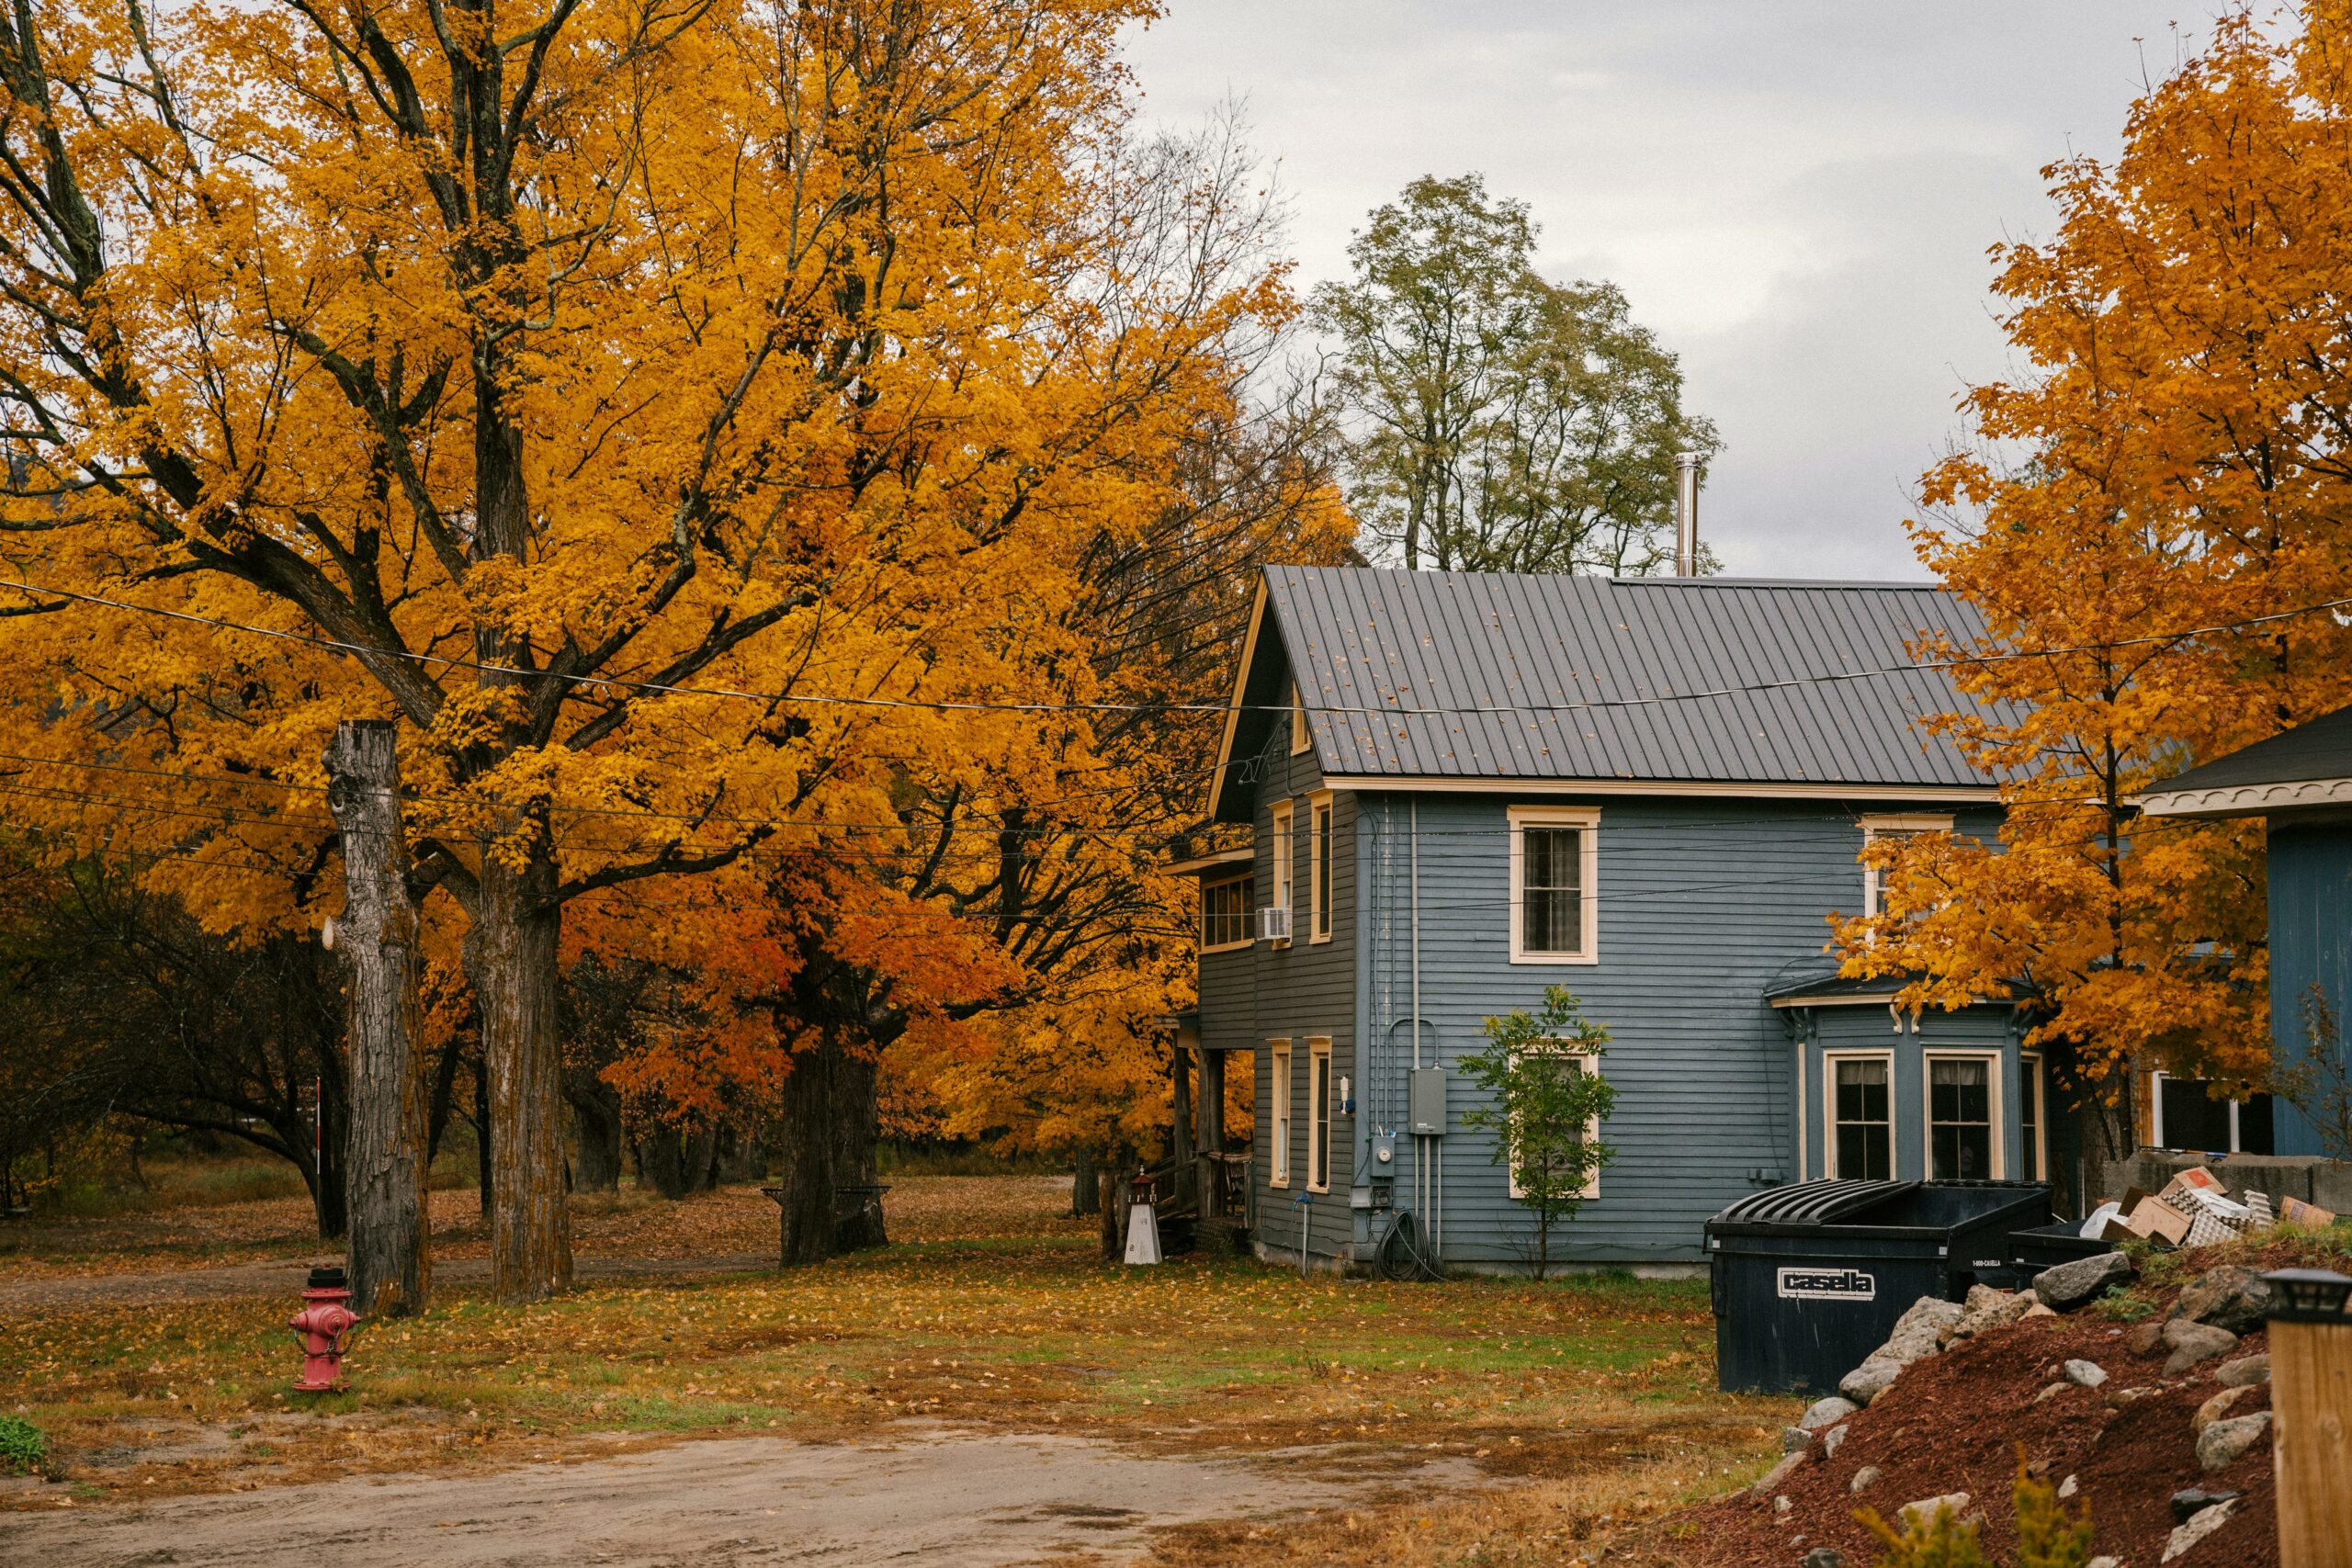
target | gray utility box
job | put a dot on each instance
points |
(1428, 1102)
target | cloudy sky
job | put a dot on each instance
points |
(1797, 197)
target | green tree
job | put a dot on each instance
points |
(1494, 420)
(1545, 1101)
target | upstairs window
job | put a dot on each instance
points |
(1318, 876)
(1227, 907)
(1283, 849)
(1882, 827)
(1553, 863)
(1299, 738)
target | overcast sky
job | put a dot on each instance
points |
(1795, 196)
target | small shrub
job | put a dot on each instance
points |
(1930, 1540)
(22, 1447)
(2047, 1536)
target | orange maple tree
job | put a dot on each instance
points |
(2178, 467)
(633, 399)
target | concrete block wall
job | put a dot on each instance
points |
(2326, 1182)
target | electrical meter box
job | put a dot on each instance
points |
(1425, 1102)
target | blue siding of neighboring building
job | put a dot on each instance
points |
(2311, 946)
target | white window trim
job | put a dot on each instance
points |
(1283, 850)
(1588, 818)
(1592, 1132)
(1249, 916)
(1804, 1153)
(2030, 1079)
(1897, 823)
(1319, 1115)
(2156, 1080)
(1829, 1060)
(1994, 1103)
(1278, 1090)
(1301, 737)
(1320, 921)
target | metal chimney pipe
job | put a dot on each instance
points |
(1686, 513)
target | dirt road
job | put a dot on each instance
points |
(940, 1499)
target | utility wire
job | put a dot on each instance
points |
(943, 705)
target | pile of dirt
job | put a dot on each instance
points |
(1960, 1421)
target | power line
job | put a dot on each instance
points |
(942, 705)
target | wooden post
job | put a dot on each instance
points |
(1180, 1130)
(377, 937)
(2310, 1403)
(1211, 1117)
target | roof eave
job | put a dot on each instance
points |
(2246, 799)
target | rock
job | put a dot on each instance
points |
(1823, 1557)
(2229, 1297)
(1777, 1474)
(1918, 1331)
(2068, 1487)
(2051, 1393)
(2117, 1398)
(1869, 1380)
(1832, 1440)
(2187, 1505)
(2086, 1374)
(1988, 1308)
(2193, 1342)
(1795, 1439)
(2246, 1371)
(2145, 1339)
(1782, 1507)
(2082, 1282)
(1927, 1507)
(2038, 1310)
(1862, 1479)
(2198, 1528)
(1825, 1412)
(2223, 1441)
(2103, 1562)
(2214, 1409)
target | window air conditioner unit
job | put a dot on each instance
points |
(1273, 923)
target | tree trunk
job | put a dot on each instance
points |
(1180, 1121)
(742, 1157)
(677, 1161)
(328, 1196)
(510, 955)
(377, 935)
(1086, 1186)
(596, 1120)
(485, 1166)
(805, 1174)
(856, 1118)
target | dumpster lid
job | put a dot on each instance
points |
(1809, 1202)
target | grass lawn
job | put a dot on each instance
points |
(1588, 1401)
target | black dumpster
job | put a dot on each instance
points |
(2046, 1247)
(1809, 1277)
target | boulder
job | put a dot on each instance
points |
(2038, 1310)
(2229, 1297)
(1869, 1380)
(1862, 1479)
(1927, 1508)
(1783, 1506)
(2083, 1281)
(2246, 1371)
(1823, 1557)
(2194, 1500)
(2221, 1444)
(2214, 1409)
(2201, 1526)
(2086, 1374)
(2145, 1339)
(1832, 1440)
(1988, 1308)
(1919, 1331)
(1825, 1412)
(2192, 1342)
(1795, 1439)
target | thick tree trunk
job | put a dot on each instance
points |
(742, 1157)
(510, 954)
(485, 1164)
(377, 935)
(1086, 1186)
(677, 1161)
(805, 1172)
(596, 1125)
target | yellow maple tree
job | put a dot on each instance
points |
(2147, 524)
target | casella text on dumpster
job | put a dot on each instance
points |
(1828, 1285)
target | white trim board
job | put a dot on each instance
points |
(2245, 800)
(1211, 861)
(1422, 785)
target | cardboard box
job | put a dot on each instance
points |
(2196, 1176)
(2158, 1221)
(2295, 1212)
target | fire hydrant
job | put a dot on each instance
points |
(322, 1323)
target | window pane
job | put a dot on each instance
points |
(1551, 889)
(1319, 1088)
(1864, 1139)
(2029, 1116)
(1960, 1114)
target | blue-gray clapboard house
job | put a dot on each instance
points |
(2299, 782)
(1466, 787)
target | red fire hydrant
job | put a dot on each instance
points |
(322, 1323)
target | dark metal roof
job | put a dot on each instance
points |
(1537, 646)
(2319, 750)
